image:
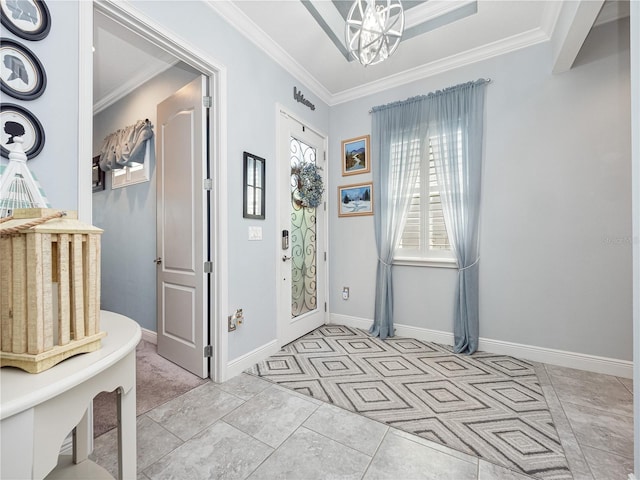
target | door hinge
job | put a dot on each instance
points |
(324, 154)
(325, 206)
(207, 101)
(325, 256)
(325, 306)
(208, 267)
(208, 351)
(208, 184)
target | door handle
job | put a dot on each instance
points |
(285, 258)
(158, 261)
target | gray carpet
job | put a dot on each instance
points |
(157, 381)
(486, 405)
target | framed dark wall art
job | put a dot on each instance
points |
(253, 186)
(21, 73)
(355, 156)
(28, 19)
(355, 200)
(97, 175)
(16, 121)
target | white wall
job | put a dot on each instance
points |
(555, 268)
(128, 215)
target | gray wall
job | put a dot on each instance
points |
(555, 257)
(255, 85)
(128, 214)
(57, 108)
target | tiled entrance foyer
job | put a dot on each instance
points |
(250, 428)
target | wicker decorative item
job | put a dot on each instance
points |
(49, 288)
(18, 186)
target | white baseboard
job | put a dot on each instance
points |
(240, 364)
(580, 361)
(149, 336)
(67, 445)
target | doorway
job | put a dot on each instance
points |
(212, 225)
(302, 276)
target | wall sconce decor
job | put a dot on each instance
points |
(253, 186)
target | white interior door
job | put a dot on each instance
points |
(302, 258)
(181, 153)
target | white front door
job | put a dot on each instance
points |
(182, 216)
(302, 250)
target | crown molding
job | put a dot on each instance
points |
(237, 18)
(550, 16)
(432, 9)
(129, 86)
(516, 42)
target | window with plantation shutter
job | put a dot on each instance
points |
(424, 236)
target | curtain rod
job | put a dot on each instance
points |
(487, 80)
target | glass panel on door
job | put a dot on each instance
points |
(303, 238)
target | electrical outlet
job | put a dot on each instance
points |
(345, 293)
(232, 323)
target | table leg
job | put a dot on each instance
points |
(127, 453)
(81, 436)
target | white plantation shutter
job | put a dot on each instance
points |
(438, 239)
(424, 234)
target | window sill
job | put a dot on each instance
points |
(421, 262)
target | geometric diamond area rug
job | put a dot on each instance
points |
(486, 405)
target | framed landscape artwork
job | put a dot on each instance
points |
(355, 200)
(355, 156)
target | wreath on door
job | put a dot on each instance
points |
(309, 185)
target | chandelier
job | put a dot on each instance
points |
(374, 29)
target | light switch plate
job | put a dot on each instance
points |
(255, 233)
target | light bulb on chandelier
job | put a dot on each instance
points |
(374, 29)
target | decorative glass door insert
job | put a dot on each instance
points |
(303, 238)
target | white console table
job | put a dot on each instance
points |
(37, 411)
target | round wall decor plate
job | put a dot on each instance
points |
(16, 121)
(21, 73)
(28, 19)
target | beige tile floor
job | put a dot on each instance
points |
(250, 428)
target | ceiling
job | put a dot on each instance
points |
(307, 38)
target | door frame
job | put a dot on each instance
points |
(280, 109)
(217, 73)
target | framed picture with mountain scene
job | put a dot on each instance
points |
(355, 156)
(355, 200)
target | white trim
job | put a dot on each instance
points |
(167, 40)
(550, 16)
(431, 10)
(580, 361)
(241, 22)
(501, 47)
(574, 24)
(85, 116)
(129, 86)
(149, 336)
(240, 364)
(219, 224)
(67, 446)
(635, 218)
(425, 262)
